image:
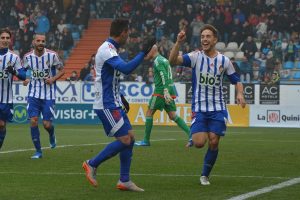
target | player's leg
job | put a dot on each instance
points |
(48, 114)
(171, 110)
(116, 124)
(6, 114)
(148, 128)
(2, 132)
(155, 103)
(217, 128)
(33, 110)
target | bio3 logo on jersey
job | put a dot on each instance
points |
(208, 79)
(3, 75)
(20, 114)
(38, 74)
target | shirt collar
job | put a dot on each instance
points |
(3, 51)
(117, 45)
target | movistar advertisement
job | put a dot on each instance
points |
(64, 114)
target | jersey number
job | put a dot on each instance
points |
(3, 74)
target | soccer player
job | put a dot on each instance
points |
(10, 64)
(209, 113)
(163, 97)
(45, 68)
(108, 105)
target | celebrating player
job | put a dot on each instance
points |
(208, 106)
(163, 97)
(10, 65)
(108, 106)
(45, 68)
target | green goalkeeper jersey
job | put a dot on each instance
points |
(163, 76)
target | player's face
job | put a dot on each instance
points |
(208, 40)
(39, 42)
(4, 40)
(124, 37)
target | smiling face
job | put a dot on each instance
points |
(4, 40)
(208, 40)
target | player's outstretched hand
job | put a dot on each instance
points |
(126, 106)
(167, 96)
(148, 44)
(11, 69)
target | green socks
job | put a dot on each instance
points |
(182, 125)
(149, 124)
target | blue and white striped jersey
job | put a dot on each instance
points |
(42, 67)
(207, 80)
(107, 81)
(6, 79)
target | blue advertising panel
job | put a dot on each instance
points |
(64, 114)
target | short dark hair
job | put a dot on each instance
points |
(211, 28)
(118, 26)
(35, 34)
(5, 30)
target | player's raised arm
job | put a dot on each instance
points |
(174, 58)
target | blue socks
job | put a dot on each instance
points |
(51, 131)
(2, 136)
(35, 136)
(109, 151)
(125, 159)
(209, 161)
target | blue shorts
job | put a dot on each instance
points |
(115, 122)
(37, 106)
(6, 112)
(214, 121)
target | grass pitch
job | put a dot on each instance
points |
(249, 159)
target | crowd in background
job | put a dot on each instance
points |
(265, 31)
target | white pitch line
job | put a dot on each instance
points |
(139, 174)
(267, 189)
(71, 145)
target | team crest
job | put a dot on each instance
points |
(221, 68)
(116, 115)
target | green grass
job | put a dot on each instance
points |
(249, 159)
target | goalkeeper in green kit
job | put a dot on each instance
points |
(163, 96)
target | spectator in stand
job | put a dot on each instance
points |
(89, 76)
(239, 15)
(246, 70)
(270, 64)
(42, 24)
(84, 72)
(249, 48)
(66, 41)
(227, 23)
(236, 30)
(73, 77)
(196, 26)
(290, 51)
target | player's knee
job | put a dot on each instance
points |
(2, 126)
(172, 115)
(47, 125)
(198, 144)
(213, 144)
(126, 140)
(34, 121)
